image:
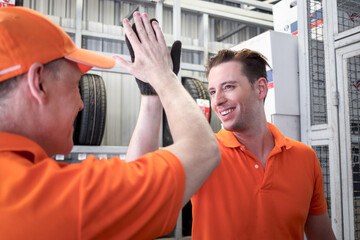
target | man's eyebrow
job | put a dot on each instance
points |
(227, 82)
(224, 83)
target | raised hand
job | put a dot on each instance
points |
(152, 55)
(175, 53)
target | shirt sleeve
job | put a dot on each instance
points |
(131, 200)
(318, 202)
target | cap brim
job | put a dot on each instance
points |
(87, 59)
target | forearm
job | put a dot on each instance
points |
(319, 227)
(182, 112)
(194, 141)
(145, 137)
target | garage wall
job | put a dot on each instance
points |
(101, 31)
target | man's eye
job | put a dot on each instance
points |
(228, 86)
(211, 92)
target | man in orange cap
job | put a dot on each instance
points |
(40, 69)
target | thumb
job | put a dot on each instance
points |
(122, 63)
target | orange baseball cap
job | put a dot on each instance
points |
(28, 37)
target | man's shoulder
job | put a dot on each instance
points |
(298, 147)
(296, 143)
(289, 143)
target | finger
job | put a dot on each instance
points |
(151, 20)
(122, 63)
(160, 37)
(148, 27)
(130, 34)
(141, 31)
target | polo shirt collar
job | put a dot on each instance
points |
(10, 142)
(230, 141)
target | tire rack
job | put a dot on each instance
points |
(79, 153)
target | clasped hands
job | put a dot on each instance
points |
(149, 53)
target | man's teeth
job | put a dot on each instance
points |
(226, 112)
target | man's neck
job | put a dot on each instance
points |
(259, 141)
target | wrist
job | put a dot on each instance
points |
(151, 102)
(163, 81)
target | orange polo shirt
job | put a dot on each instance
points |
(96, 199)
(242, 201)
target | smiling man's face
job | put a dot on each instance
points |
(233, 98)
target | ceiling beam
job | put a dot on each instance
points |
(229, 34)
(266, 1)
(226, 12)
(254, 3)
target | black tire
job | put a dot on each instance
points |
(198, 91)
(19, 2)
(89, 124)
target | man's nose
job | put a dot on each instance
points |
(219, 98)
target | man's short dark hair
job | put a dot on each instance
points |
(8, 85)
(253, 63)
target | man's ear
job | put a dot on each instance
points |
(34, 78)
(261, 86)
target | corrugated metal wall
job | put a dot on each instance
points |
(101, 31)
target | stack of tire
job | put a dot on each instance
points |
(89, 124)
(198, 91)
